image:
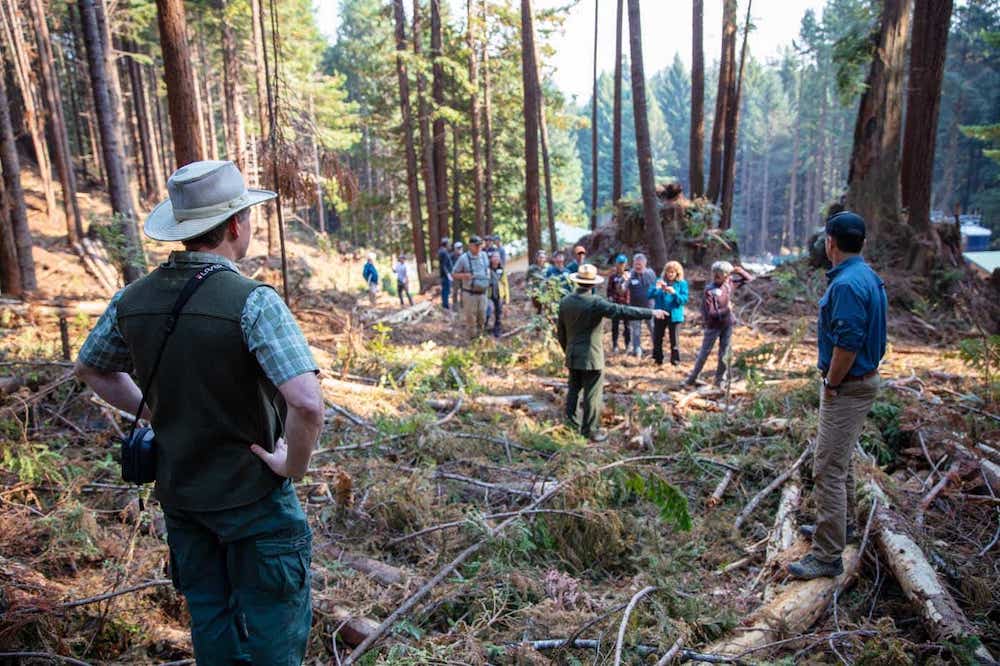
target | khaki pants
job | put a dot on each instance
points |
(474, 311)
(841, 419)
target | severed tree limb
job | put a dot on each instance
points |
(954, 474)
(494, 516)
(785, 532)
(672, 653)
(778, 480)
(43, 655)
(624, 623)
(720, 490)
(410, 602)
(116, 593)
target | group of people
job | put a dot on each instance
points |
(229, 445)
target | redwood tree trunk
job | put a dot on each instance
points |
(132, 261)
(57, 122)
(543, 127)
(153, 171)
(236, 136)
(440, 148)
(616, 111)
(426, 140)
(477, 160)
(593, 132)
(18, 266)
(184, 121)
(412, 189)
(873, 179)
(727, 64)
(732, 132)
(651, 216)
(789, 236)
(696, 169)
(529, 72)
(931, 19)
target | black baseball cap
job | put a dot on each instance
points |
(845, 223)
(475, 240)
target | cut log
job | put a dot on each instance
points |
(409, 315)
(529, 489)
(353, 628)
(795, 607)
(720, 490)
(386, 574)
(771, 487)
(340, 386)
(942, 616)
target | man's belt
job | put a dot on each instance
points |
(470, 291)
(857, 378)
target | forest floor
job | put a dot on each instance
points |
(436, 448)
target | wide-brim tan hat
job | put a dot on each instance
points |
(586, 275)
(203, 195)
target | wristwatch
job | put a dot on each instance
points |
(830, 387)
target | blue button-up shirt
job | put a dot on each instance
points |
(852, 316)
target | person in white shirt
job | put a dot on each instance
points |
(402, 279)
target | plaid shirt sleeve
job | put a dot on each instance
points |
(274, 337)
(105, 348)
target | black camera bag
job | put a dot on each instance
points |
(139, 448)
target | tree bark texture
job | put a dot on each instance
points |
(931, 19)
(789, 236)
(132, 262)
(474, 117)
(18, 273)
(696, 168)
(426, 138)
(727, 64)
(206, 76)
(529, 72)
(437, 91)
(732, 131)
(57, 122)
(181, 101)
(456, 210)
(13, 42)
(616, 111)
(236, 135)
(412, 188)
(650, 212)
(593, 130)
(873, 179)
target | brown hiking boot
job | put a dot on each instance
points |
(809, 567)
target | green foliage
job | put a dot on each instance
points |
(672, 503)
(982, 354)
(885, 417)
(33, 462)
(121, 251)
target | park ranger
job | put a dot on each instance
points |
(581, 337)
(236, 408)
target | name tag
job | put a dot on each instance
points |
(634, 281)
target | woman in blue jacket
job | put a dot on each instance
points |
(670, 293)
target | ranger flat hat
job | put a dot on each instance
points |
(586, 275)
(203, 195)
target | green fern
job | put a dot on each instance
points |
(672, 503)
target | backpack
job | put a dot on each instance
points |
(479, 282)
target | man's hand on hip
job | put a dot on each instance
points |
(277, 461)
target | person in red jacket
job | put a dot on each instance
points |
(717, 318)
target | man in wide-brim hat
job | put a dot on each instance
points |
(236, 408)
(581, 337)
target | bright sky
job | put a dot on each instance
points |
(666, 30)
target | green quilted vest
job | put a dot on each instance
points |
(210, 398)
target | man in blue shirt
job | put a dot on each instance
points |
(851, 336)
(445, 266)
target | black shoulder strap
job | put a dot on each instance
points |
(190, 287)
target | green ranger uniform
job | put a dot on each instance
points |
(581, 337)
(239, 541)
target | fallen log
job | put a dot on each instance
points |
(510, 401)
(352, 629)
(410, 315)
(785, 532)
(22, 403)
(353, 387)
(385, 574)
(530, 489)
(942, 616)
(720, 490)
(795, 607)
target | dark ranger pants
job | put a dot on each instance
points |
(660, 328)
(445, 291)
(403, 288)
(245, 575)
(615, 323)
(591, 384)
(497, 315)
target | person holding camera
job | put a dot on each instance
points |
(472, 270)
(236, 409)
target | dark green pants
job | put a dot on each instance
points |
(245, 575)
(591, 384)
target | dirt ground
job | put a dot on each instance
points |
(418, 461)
